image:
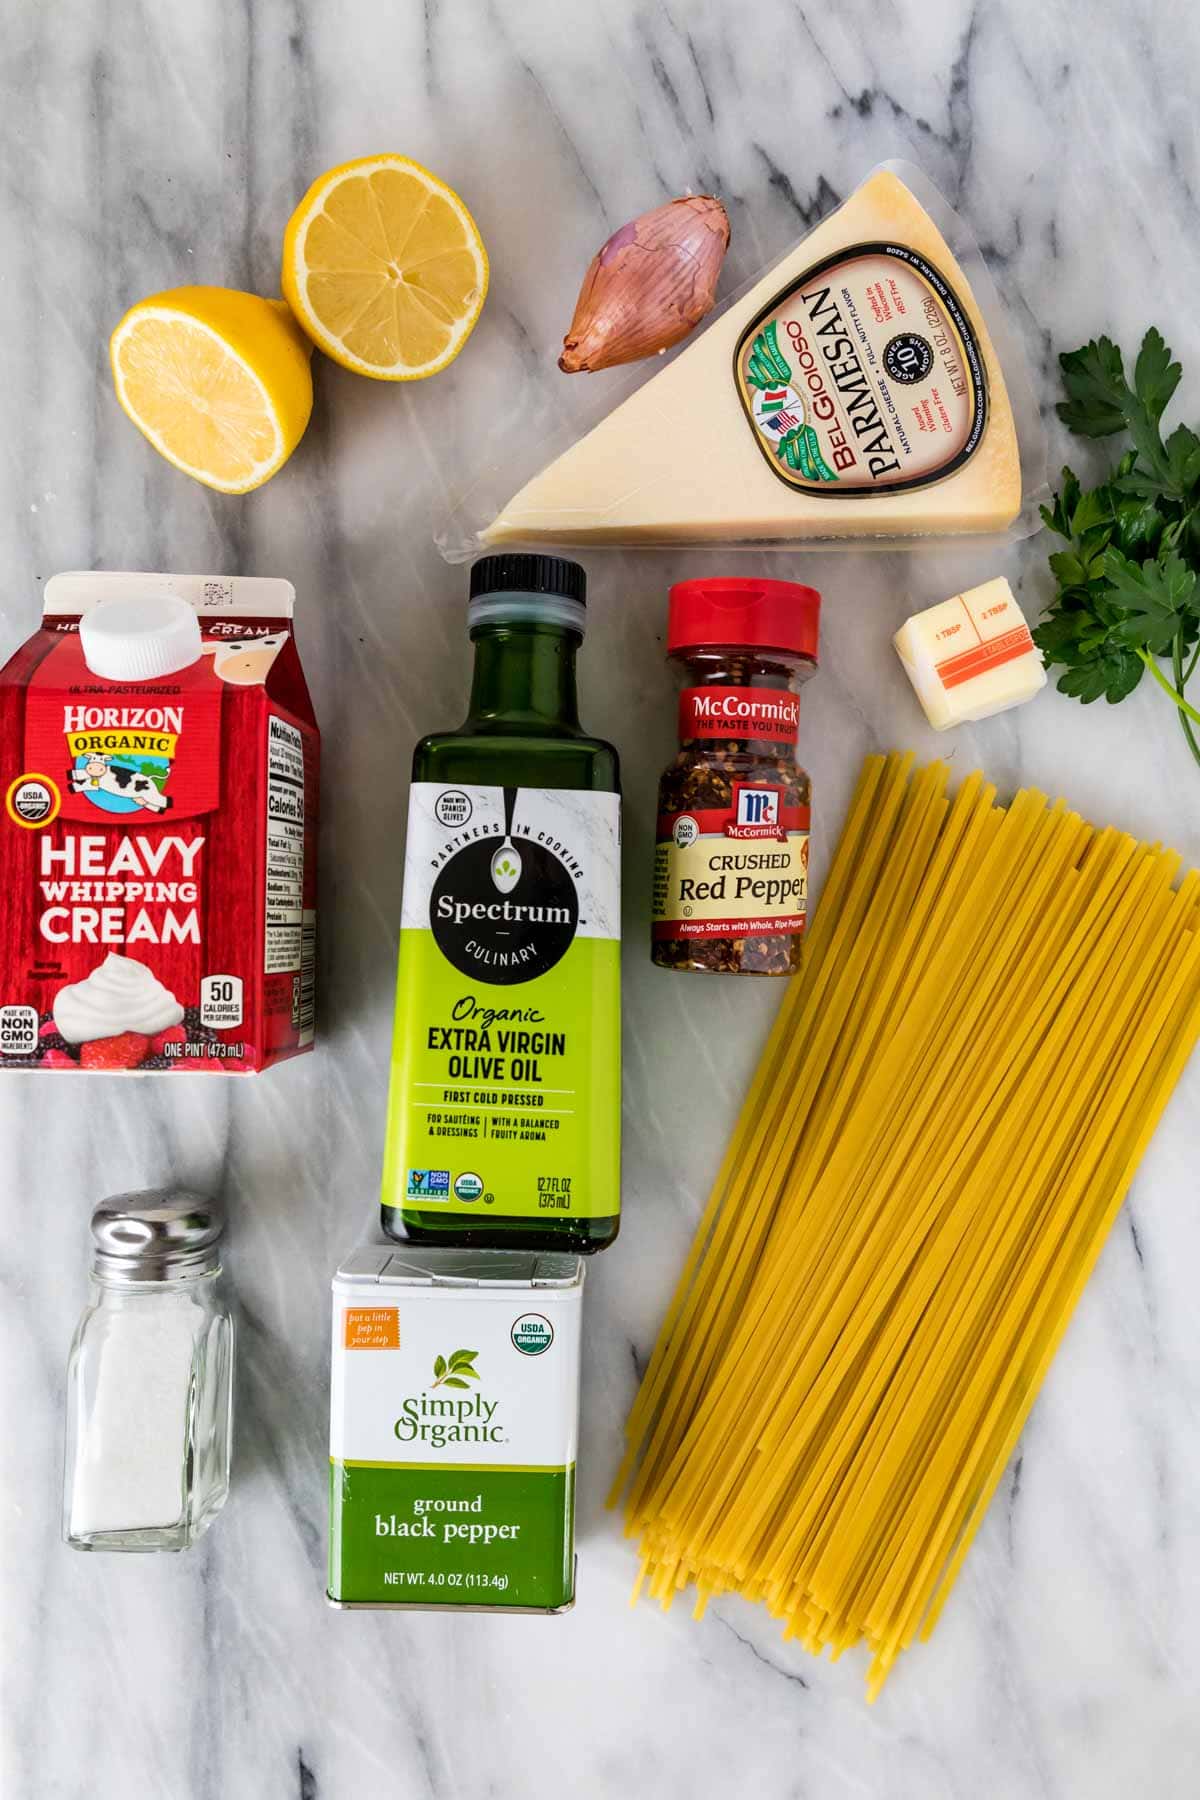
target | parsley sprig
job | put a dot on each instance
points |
(1129, 581)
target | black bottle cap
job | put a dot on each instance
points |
(518, 572)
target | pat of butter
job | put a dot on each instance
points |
(971, 656)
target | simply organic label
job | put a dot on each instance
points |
(506, 1054)
(864, 375)
(453, 1446)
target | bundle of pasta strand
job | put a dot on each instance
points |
(994, 1007)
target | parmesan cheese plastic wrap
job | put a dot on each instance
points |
(866, 388)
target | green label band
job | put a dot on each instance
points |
(494, 1116)
(409, 1533)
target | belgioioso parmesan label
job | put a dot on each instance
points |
(864, 375)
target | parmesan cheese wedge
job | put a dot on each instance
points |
(853, 392)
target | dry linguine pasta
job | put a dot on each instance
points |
(994, 1007)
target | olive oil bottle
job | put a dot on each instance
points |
(504, 1109)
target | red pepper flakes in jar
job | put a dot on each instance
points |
(731, 858)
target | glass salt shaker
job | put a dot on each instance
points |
(150, 1378)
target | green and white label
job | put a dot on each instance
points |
(452, 1451)
(505, 1096)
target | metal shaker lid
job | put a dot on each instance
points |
(156, 1234)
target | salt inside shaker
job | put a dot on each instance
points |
(150, 1378)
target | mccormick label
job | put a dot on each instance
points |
(454, 1415)
(505, 1096)
(766, 715)
(866, 374)
(157, 843)
(735, 867)
(737, 871)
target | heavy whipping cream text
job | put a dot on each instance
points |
(143, 890)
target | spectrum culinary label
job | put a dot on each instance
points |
(505, 1073)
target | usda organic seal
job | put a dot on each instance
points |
(532, 1334)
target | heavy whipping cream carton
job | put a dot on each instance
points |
(158, 762)
(454, 1419)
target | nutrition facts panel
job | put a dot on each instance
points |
(285, 847)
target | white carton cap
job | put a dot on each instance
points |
(135, 638)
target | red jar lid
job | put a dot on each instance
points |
(729, 610)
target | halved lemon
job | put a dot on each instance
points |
(218, 381)
(384, 268)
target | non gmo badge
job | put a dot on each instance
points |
(532, 1334)
(428, 1184)
(18, 1030)
(468, 1186)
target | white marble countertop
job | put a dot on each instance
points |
(145, 146)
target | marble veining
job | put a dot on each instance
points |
(141, 147)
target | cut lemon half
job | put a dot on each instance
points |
(218, 381)
(384, 268)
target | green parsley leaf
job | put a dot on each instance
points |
(1057, 636)
(1155, 376)
(1183, 459)
(1137, 523)
(1094, 377)
(1094, 510)
(1110, 674)
(1059, 519)
(1074, 568)
(1128, 580)
(1155, 597)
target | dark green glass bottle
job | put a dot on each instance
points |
(504, 1111)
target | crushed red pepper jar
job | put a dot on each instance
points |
(731, 857)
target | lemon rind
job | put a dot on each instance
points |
(333, 347)
(261, 471)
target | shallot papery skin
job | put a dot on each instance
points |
(652, 282)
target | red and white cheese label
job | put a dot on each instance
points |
(971, 638)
